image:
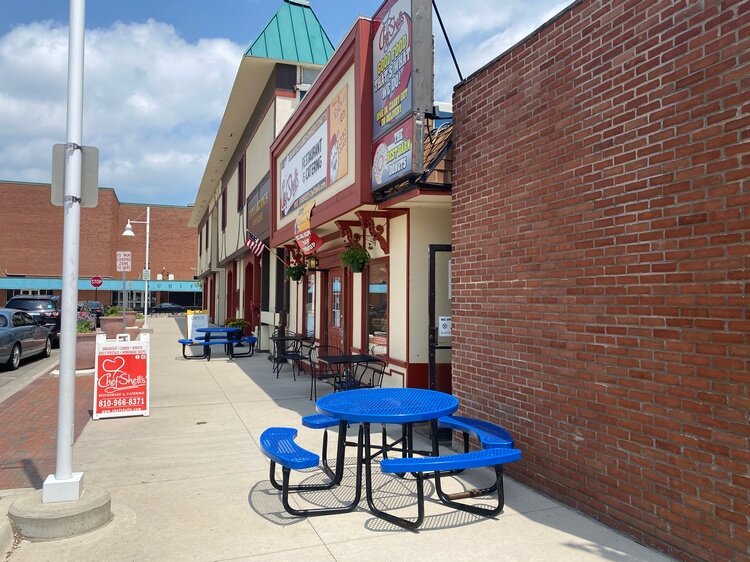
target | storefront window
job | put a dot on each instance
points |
(310, 305)
(336, 302)
(377, 307)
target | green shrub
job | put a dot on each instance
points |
(84, 327)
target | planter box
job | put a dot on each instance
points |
(85, 351)
(111, 325)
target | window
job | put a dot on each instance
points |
(377, 307)
(241, 184)
(310, 305)
(224, 209)
(305, 79)
(205, 237)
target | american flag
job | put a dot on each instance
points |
(255, 244)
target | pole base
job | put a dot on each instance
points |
(37, 520)
(55, 490)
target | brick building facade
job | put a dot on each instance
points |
(601, 265)
(32, 232)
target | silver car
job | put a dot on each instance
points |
(21, 336)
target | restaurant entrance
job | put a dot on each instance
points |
(333, 309)
(439, 324)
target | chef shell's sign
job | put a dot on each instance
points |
(396, 155)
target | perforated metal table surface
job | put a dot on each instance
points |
(387, 405)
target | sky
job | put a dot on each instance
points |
(157, 77)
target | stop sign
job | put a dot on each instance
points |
(96, 281)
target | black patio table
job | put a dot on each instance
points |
(282, 352)
(355, 359)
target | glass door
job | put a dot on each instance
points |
(439, 325)
(335, 309)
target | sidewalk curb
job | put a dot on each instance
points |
(46, 367)
(7, 535)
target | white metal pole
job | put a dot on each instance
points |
(124, 305)
(148, 266)
(71, 243)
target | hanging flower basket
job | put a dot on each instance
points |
(296, 271)
(355, 257)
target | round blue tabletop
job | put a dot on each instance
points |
(218, 329)
(387, 405)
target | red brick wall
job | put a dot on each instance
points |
(601, 296)
(31, 232)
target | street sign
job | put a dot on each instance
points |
(89, 175)
(96, 281)
(123, 261)
(146, 276)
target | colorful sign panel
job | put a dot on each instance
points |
(306, 239)
(393, 155)
(391, 65)
(121, 384)
(319, 158)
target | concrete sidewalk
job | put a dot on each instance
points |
(190, 483)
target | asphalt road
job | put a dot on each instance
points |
(30, 369)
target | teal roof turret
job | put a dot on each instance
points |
(294, 34)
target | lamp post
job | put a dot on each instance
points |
(129, 232)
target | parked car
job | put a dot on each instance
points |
(22, 336)
(166, 308)
(85, 313)
(40, 307)
(97, 308)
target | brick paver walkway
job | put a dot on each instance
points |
(28, 430)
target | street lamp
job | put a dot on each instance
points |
(129, 232)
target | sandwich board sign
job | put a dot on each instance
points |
(121, 380)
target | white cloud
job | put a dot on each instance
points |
(152, 102)
(479, 31)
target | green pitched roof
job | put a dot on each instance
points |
(294, 34)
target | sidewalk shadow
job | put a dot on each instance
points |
(32, 473)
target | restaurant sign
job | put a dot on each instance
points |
(402, 61)
(257, 209)
(121, 381)
(319, 158)
(306, 239)
(398, 154)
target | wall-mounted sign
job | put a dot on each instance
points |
(402, 78)
(444, 326)
(258, 214)
(319, 158)
(306, 239)
(397, 154)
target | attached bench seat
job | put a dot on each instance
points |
(494, 457)
(187, 342)
(488, 434)
(277, 443)
(229, 346)
(250, 341)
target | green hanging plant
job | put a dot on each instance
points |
(296, 271)
(355, 257)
